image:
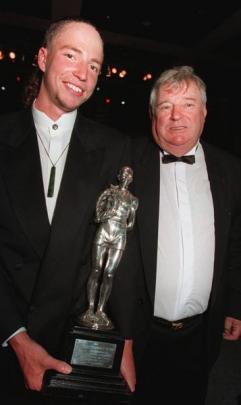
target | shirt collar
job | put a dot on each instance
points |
(190, 152)
(65, 122)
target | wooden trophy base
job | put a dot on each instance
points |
(95, 357)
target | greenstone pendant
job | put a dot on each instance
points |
(51, 182)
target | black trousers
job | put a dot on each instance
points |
(174, 365)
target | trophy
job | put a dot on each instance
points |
(93, 346)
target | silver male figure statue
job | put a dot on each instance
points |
(115, 212)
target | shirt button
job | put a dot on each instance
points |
(55, 126)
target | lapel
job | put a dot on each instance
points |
(147, 179)
(71, 236)
(21, 169)
(221, 203)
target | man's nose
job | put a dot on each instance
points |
(175, 112)
(81, 71)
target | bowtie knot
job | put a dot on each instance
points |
(190, 159)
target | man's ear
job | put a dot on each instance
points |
(150, 112)
(42, 57)
(205, 112)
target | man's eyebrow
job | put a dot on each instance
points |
(185, 98)
(72, 48)
(163, 102)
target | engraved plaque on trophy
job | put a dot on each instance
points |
(93, 346)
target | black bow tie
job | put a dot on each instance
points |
(190, 159)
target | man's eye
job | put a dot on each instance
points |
(164, 107)
(94, 68)
(69, 55)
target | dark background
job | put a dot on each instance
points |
(140, 37)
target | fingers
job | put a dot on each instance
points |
(128, 365)
(232, 329)
(65, 368)
(62, 367)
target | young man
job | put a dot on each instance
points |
(54, 163)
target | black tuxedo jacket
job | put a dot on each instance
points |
(224, 173)
(43, 268)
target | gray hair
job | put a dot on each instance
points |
(176, 76)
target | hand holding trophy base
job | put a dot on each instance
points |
(93, 347)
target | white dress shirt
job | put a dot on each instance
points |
(185, 254)
(55, 136)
